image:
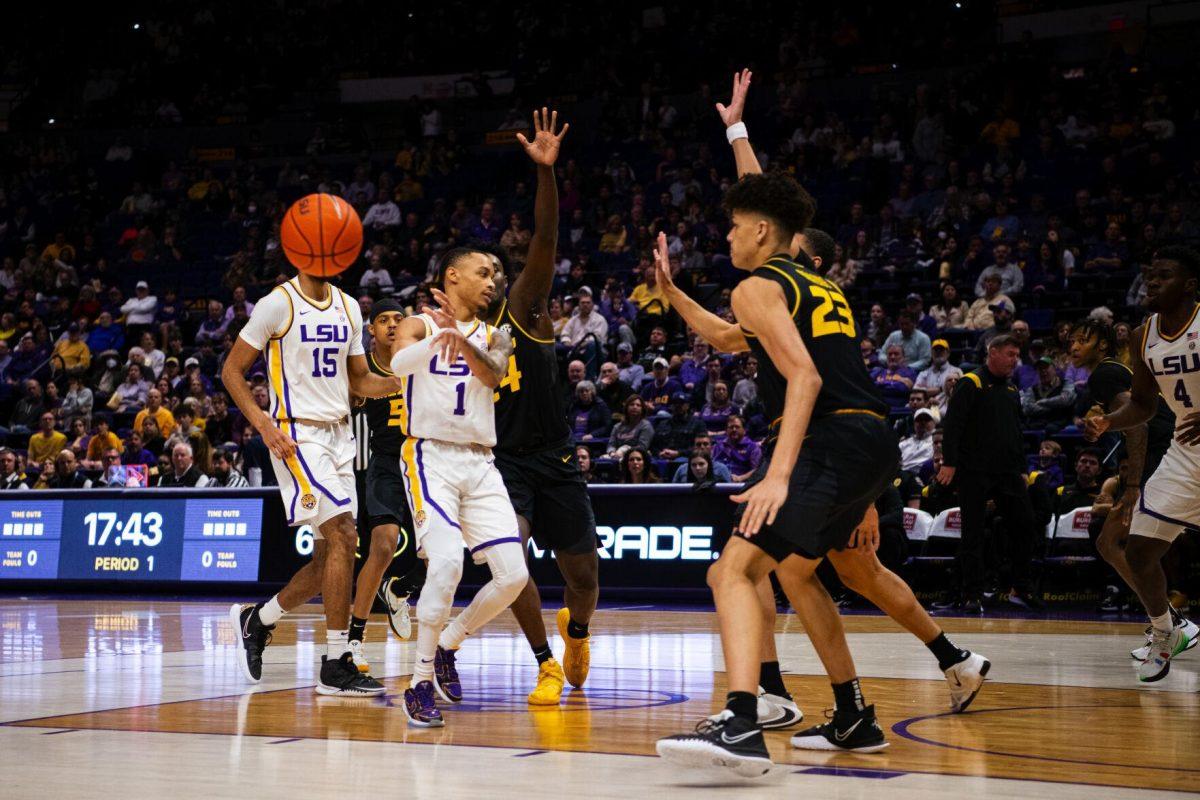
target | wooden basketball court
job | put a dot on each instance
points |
(143, 698)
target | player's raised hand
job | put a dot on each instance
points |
(452, 343)
(732, 114)
(444, 316)
(662, 264)
(1095, 426)
(543, 149)
(1188, 431)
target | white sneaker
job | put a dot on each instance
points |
(399, 619)
(358, 657)
(776, 712)
(966, 679)
(1190, 630)
(1162, 646)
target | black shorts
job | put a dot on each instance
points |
(386, 500)
(546, 488)
(847, 461)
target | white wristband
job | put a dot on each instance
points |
(736, 131)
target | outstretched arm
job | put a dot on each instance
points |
(529, 292)
(731, 115)
(1143, 400)
(364, 383)
(722, 335)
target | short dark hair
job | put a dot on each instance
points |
(222, 454)
(906, 315)
(1003, 340)
(451, 257)
(776, 196)
(1104, 333)
(1094, 452)
(1181, 254)
(821, 245)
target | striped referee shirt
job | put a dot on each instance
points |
(362, 438)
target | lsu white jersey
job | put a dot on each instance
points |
(445, 401)
(1175, 363)
(307, 346)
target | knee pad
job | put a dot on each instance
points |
(507, 564)
(437, 595)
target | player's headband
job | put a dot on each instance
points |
(383, 307)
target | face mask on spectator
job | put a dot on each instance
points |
(111, 363)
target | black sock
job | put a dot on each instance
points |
(848, 696)
(542, 653)
(946, 652)
(358, 626)
(742, 704)
(577, 630)
(770, 679)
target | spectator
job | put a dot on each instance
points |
(1012, 279)
(1111, 254)
(136, 453)
(611, 389)
(1002, 322)
(221, 425)
(224, 475)
(950, 313)
(141, 309)
(716, 412)
(383, 213)
(1086, 486)
(870, 355)
(1047, 463)
(673, 435)
(702, 446)
(105, 335)
(77, 403)
(47, 442)
(583, 460)
(657, 348)
(745, 391)
(376, 275)
(112, 474)
(737, 452)
(692, 368)
(633, 431)
(152, 438)
(130, 396)
(585, 322)
(103, 440)
(879, 325)
(933, 377)
(635, 467)
(648, 296)
(164, 419)
(71, 353)
(515, 240)
(10, 475)
(660, 388)
(915, 305)
(980, 317)
(1050, 403)
(239, 305)
(588, 416)
(213, 328)
(619, 314)
(982, 457)
(914, 343)
(64, 474)
(895, 378)
(1001, 226)
(183, 472)
(629, 372)
(917, 449)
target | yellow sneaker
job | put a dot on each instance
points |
(549, 685)
(577, 655)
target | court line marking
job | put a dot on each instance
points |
(902, 729)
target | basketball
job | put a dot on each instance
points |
(321, 235)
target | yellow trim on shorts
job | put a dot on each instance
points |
(408, 451)
(293, 464)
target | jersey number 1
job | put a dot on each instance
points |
(461, 392)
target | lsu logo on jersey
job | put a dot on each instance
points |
(1182, 364)
(458, 369)
(325, 333)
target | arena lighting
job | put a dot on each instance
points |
(50, 121)
(137, 26)
(958, 5)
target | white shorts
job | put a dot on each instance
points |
(456, 494)
(317, 484)
(1170, 500)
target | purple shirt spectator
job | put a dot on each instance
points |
(742, 456)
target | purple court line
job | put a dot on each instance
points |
(852, 772)
(902, 729)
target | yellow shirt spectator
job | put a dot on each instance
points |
(650, 299)
(163, 416)
(101, 442)
(43, 447)
(73, 351)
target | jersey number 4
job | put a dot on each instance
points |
(1181, 394)
(512, 378)
(833, 315)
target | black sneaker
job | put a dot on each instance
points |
(723, 741)
(340, 676)
(1025, 599)
(851, 731)
(254, 637)
(1112, 600)
(972, 607)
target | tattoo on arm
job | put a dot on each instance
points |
(496, 357)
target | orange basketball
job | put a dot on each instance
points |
(321, 235)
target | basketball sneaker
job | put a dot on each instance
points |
(577, 653)
(849, 731)
(966, 679)
(358, 657)
(1163, 645)
(445, 675)
(1190, 630)
(399, 618)
(420, 708)
(254, 638)
(339, 676)
(723, 741)
(549, 684)
(776, 712)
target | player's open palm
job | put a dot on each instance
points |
(445, 315)
(662, 264)
(732, 114)
(546, 140)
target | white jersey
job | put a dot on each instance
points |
(307, 346)
(446, 402)
(1175, 363)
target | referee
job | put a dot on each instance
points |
(982, 455)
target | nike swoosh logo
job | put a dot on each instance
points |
(302, 313)
(727, 739)
(566, 458)
(843, 736)
(1152, 344)
(246, 629)
(957, 685)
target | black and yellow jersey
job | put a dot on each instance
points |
(1108, 380)
(826, 325)
(384, 415)
(529, 403)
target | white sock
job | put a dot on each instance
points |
(427, 644)
(1163, 623)
(271, 612)
(336, 643)
(452, 637)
